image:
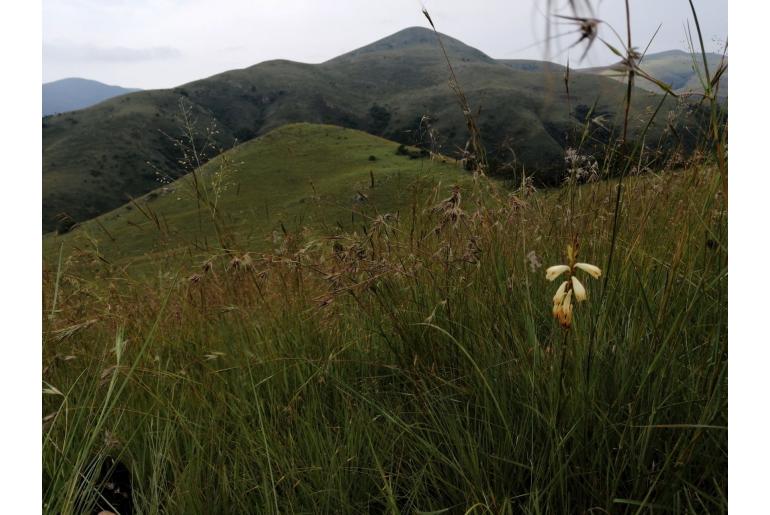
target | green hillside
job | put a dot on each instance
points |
(532, 65)
(675, 67)
(95, 159)
(320, 177)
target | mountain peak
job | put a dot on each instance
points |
(416, 38)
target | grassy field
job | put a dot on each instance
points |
(411, 367)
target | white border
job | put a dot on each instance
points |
(20, 262)
(20, 258)
(749, 349)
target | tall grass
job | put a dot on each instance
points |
(415, 367)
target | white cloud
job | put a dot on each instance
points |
(116, 54)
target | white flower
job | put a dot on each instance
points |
(592, 270)
(560, 293)
(579, 289)
(555, 271)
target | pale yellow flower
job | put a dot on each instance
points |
(579, 289)
(562, 300)
(555, 271)
(560, 293)
(592, 270)
(563, 311)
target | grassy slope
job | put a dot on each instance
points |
(409, 369)
(532, 65)
(298, 175)
(95, 158)
(675, 68)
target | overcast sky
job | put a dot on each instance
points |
(164, 43)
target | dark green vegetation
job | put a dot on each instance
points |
(676, 68)
(95, 159)
(61, 96)
(411, 367)
(302, 176)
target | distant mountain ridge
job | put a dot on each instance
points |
(71, 94)
(676, 68)
(397, 87)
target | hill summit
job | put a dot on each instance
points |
(415, 39)
(297, 176)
